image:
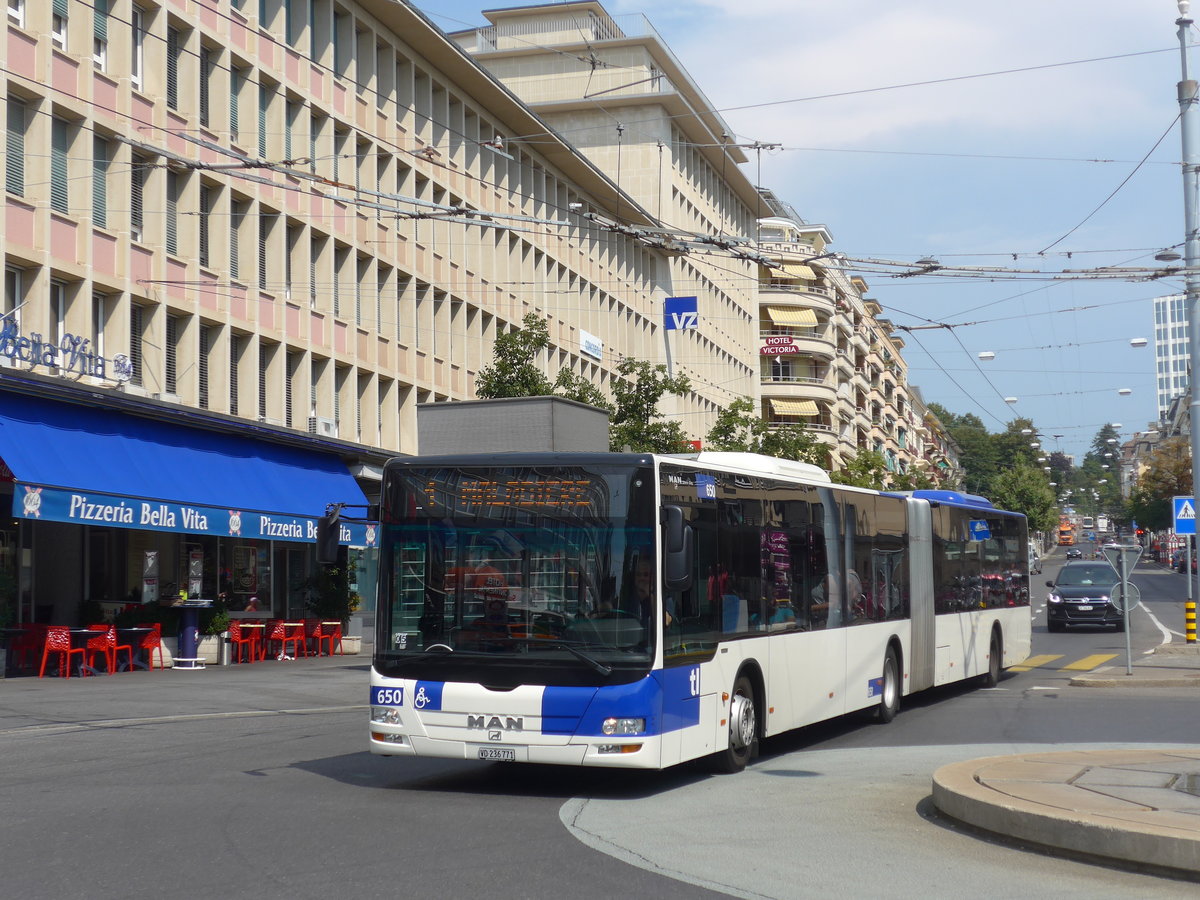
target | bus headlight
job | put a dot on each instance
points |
(387, 714)
(623, 726)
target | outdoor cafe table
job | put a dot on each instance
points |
(188, 626)
(133, 637)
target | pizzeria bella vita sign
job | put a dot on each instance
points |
(73, 354)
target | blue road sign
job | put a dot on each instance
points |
(1185, 514)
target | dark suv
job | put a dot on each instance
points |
(1082, 595)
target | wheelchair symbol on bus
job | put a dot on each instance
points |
(421, 699)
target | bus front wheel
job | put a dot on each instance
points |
(889, 700)
(995, 670)
(743, 728)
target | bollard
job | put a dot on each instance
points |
(1189, 620)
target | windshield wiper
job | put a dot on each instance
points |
(570, 648)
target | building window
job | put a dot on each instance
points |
(99, 320)
(202, 366)
(138, 166)
(264, 360)
(238, 210)
(206, 69)
(234, 351)
(58, 313)
(206, 193)
(137, 321)
(100, 181)
(237, 80)
(60, 142)
(14, 148)
(173, 54)
(172, 229)
(58, 24)
(16, 12)
(172, 355)
(137, 58)
(100, 34)
(13, 296)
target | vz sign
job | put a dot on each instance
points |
(680, 312)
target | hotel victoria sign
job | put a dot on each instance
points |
(778, 345)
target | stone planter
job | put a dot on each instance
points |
(351, 645)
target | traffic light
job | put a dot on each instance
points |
(328, 536)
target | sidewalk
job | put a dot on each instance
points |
(1138, 807)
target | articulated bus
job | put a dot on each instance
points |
(641, 610)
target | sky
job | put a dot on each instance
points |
(1033, 135)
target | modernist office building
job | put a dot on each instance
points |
(242, 241)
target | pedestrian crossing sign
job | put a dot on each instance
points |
(1185, 515)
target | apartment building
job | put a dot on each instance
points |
(269, 230)
(612, 87)
(828, 359)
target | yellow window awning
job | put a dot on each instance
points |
(792, 271)
(789, 315)
(794, 407)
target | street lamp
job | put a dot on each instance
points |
(1186, 92)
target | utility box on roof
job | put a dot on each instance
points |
(511, 423)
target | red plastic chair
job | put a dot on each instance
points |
(332, 632)
(114, 651)
(312, 636)
(28, 645)
(280, 634)
(248, 640)
(151, 642)
(58, 641)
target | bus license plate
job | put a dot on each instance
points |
(1084, 608)
(501, 754)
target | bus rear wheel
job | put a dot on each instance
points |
(991, 678)
(889, 700)
(742, 736)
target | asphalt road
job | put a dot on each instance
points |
(254, 781)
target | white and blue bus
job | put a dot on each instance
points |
(621, 609)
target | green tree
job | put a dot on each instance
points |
(1023, 488)
(739, 428)
(514, 372)
(576, 387)
(1149, 511)
(977, 451)
(912, 480)
(867, 469)
(1168, 470)
(636, 422)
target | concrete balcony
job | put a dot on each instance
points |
(796, 293)
(799, 387)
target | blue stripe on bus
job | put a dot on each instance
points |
(664, 698)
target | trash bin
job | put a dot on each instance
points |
(226, 654)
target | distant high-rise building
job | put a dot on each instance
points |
(1170, 350)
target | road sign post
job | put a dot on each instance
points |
(1123, 559)
(1184, 511)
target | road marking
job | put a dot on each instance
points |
(1089, 662)
(1034, 661)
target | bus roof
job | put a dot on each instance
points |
(954, 498)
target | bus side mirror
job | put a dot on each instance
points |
(327, 539)
(677, 550)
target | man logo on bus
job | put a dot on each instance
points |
(483, 723)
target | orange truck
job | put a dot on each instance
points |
(1066, 531)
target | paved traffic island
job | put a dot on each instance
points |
(1137, 808)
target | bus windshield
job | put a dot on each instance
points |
(517, 575)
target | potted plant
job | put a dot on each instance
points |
(330, 598)
(214, 629)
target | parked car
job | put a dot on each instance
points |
(1082, 595)
(1074, 553)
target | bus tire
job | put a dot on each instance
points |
(742, 736)
(991, 678)
(889, 700)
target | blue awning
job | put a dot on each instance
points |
(67, 450)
